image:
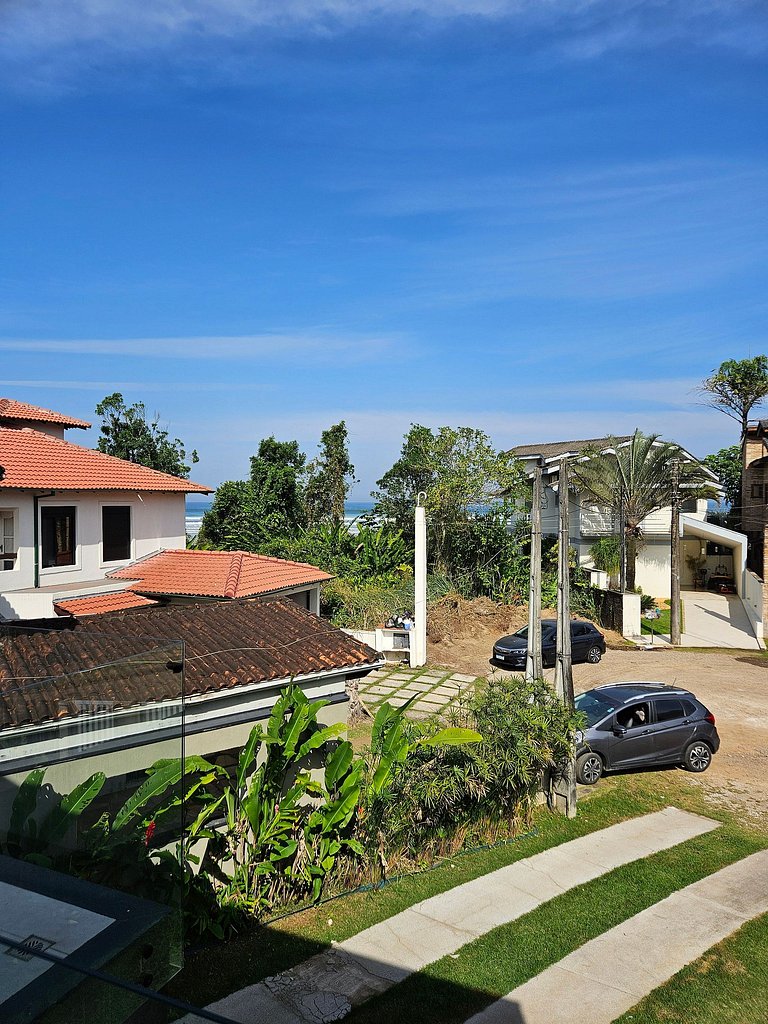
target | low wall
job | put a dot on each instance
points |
(394, 644)
(619, 612)
(753, 598)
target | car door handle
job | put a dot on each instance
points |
(645, 732)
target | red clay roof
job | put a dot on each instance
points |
(216, 574)
(34, 460)
(97, 604)
(124, 657)
(10, 409)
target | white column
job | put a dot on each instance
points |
(418, 638)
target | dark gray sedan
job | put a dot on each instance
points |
(587, 644)
(634, 725)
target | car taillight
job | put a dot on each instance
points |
(709, 717)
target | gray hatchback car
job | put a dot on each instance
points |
(635, 725)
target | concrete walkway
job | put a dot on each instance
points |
(609, 975)
(711, 620)
(435, 689)
(327, 986)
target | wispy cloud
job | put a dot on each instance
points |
(316, 346)
(139, 386)
(56, 33)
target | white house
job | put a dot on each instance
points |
(70, 515)
(722, 548)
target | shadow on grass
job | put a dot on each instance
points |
(327, 983)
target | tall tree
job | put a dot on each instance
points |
(128, 434)
(727, 465)
(638, 474)
(736, 387)
(247, 514)
(329, 477)
(460, 473)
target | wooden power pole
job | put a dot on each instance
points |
(565, 788)
(533, 662)
(674, 608)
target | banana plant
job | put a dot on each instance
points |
(40, 841)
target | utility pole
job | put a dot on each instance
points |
(623, 541)
(674, 608)
(565, 788)
(418, 639)
(533, 662)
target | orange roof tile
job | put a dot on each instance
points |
(97, 604)
(10, 409)
(216, 574)
(34, 460)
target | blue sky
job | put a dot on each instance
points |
(544, 219)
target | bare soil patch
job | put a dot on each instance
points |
(733, 685)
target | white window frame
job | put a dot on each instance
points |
(13, 515)
(132, 551)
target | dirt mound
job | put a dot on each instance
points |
(456, 618)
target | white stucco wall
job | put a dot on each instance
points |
(157, 521)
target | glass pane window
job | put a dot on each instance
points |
(7, 540)
(116, 533)
(57, 535)
(667, 710)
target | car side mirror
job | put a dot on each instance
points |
(619, 730)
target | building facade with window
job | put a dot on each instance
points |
(69, 515)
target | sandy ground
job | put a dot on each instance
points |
(733, 686)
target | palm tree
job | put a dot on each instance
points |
(638, 474)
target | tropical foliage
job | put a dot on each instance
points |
(636, 478)
(300, 814)
(736, 387)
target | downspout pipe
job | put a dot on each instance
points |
(36, 532)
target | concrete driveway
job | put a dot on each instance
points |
(716, 620)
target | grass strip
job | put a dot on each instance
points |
(458, 986)
(259, 951)
(728, 985)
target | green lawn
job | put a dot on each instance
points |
(661, 625)
(453, 989)
(728, 985)
(494, 964)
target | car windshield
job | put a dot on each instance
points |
(594, 706)
(522, 633)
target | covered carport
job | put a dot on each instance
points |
(712, 617)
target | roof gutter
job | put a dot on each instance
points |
(36, 533)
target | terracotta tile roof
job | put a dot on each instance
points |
(216, 574)
(97, 604)
(228, 644)
(12, 410)
(35, 460)
(551, 449)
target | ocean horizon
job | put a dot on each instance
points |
(197, 506)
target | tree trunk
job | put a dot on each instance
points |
(631, 561)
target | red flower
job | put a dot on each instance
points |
(149, 832)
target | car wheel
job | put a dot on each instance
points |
(594, 654)
(697, 757)
(589, 768)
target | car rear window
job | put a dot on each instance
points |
(690, 708)
(668, 709)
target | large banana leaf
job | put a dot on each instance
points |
(70, 808)
(317, 739)
(169, 774)
(338, 764)
(24, 804)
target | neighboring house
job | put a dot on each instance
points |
(723, 549)
(69, 515)
(754, 494)
(117, 692)
(83, 533)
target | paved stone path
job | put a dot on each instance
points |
(437, 688)
(327, 986)
(607, 976)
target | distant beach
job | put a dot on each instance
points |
(197, 507)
